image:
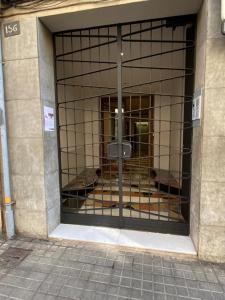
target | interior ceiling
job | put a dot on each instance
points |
(144, 10)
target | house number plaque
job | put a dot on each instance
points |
(11, 29)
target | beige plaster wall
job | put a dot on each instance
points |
(47, 98)
(197, 131)
(212, 201)
(208, 171)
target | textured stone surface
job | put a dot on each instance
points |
(214, 19)
(26, 156)
(213, 159)
(24, 45)
(54, 213)
(197, 131)
(24, 118)
(196, 153)
(21, 79)
(31, 222)
(215, 57)
(212, 243)
(195, 211)
(28, 191)
(47, 92)
(212, 203)
(214, 117)
(52, 194)
(208, 172)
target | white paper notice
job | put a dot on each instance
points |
(49, 118)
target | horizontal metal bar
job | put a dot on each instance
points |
(87, 61)
(86, 48)
(86, 74)
(156, 81)
(158, 68)
(88, 98)
(87, 86)
(130, 111)
(144, 119)
(113, 136)
(158, 54)
(180, 149)
(155, 214)
(143, 30)
(158, 41)
(129, 180)
(86, 35)
(106, 157)
(79, 210)
(158, 94)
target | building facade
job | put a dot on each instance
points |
(33, 80)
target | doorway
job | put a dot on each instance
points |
(124, 96)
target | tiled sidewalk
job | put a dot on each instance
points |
(79, 270)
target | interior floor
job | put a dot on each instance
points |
(99, 194)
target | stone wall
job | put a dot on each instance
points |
(208, 160)
(50, 146)
(22, 92)
(212, 200)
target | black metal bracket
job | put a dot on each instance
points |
(113, 150)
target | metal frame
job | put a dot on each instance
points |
(70, 79)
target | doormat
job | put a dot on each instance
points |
(13, 256)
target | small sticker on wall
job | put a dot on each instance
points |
(196, 106)
(49, 118)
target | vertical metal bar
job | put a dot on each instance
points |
(120, 130)
(150, 92)
(140, 133)
(160, 120)
(187, 131)
(130, 169)
(57, 126)
(66, 116)
(130, 133)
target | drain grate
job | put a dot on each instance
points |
(13, 256)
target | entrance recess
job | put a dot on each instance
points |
(124, 99)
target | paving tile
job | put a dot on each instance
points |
(182, 291)
(158, 296)
(136, 283)
(70, 292)
(50, 288)
(87, 295)
(170, 289)
(171, 297)
(125, 282)
(147, 295)
(112, 290)
(62, 271)
(218, 296)
(108, 297)
(5, 290)
(42, 296)
(22, 294)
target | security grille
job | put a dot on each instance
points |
(124, 98)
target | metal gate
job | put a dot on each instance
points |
(124, 102)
